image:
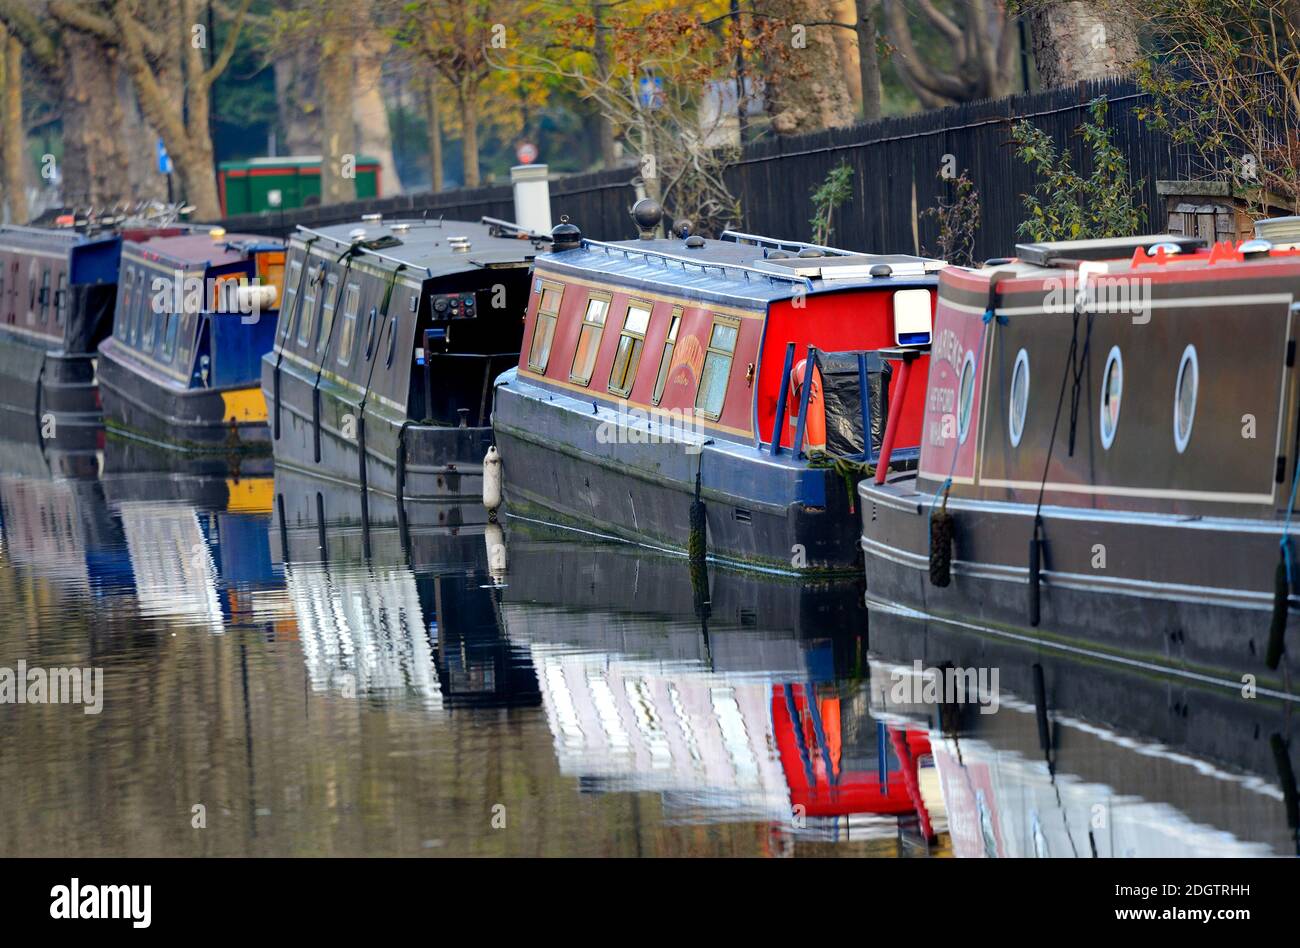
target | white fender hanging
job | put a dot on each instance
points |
(492, 482)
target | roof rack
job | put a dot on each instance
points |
(361, 248)
(705, 266)
(498, 228)
(772, 243)
(1068, 253)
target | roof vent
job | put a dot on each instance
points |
(779, 255)
(682, 228)
(458, 244)
(1256, 248)
(694, 242)
(882, 270)
(1167, 246)
(647, 213)
(217, 233)
(372, 218)
(356, 233)
(807, 252)
(400, 228)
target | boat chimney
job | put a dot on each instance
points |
(532, 197)
(648, 214)
(565, 236)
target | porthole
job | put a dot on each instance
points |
(1185, 398)
(1019, 398)
(1112, 390)
(965, 397)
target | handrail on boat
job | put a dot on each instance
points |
(356, 245)
(774, 243)
(702, 264)
(510, 227)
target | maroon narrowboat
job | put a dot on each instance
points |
(1109, 460)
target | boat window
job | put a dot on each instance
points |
(548, 308)
(1185, 398)
(1112, 388)
(127, 321)
(965, 397)
(307, 314)
(45, 296)
(1019, 398)
(187, 342)
(31, 292)
(140, 294)
(370, 332)
(61, 300)
(348, 333)
(327, 312)
(593, 326)
(666, 360)
(392, 342)
(172, 322)
(717, 367)
(150, 326)
(630, 343)
(290, 295)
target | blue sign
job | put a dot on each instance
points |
(164, 159)
(650, 90)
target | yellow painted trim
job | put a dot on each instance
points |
(244, 404)
(250, 495)
(639, 292)
(649, 409)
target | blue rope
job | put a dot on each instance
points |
(990, 314)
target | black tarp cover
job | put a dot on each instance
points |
(841, 392)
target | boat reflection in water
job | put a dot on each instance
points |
(748, 704)
(393, 603)
(1090, 760)
(194, 528)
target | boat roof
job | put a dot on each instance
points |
(743, 269)
(203, 249)
(49, 239)
(430, 245)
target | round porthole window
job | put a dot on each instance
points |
(1112, 388)
(1019, 398)
(1185, 398)
(965, 396)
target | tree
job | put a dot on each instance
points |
(13, 137)
(979, 41)
(804, 88)
(1068, 206)
(1074, 41)
(161, 45)
(1224, 81)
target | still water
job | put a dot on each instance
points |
(286, 672)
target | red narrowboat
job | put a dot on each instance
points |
(659, 375)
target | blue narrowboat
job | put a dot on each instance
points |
(195, 313)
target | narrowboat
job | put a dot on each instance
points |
(57, 289)
(660, 375)
(1109, 456)
(195, 313)
(392, 332)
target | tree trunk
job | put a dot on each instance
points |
(869, 58)
(95, 163)
(844, 11)
(374, 136)
(805, 93)
(466, 96)
(1073, 41)
(338, 154)
(296, 88)
(435, 131)
(12, 131)
(604, 127)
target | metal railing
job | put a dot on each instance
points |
(703, 265)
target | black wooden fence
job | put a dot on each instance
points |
(896, 163)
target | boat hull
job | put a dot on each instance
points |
(143, 404)
(1169, 592)
(438, 463)
(761, 512)
(57, 393)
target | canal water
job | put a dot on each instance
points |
(287, 672)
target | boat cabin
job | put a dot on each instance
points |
(198, 309)
(717, 336)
